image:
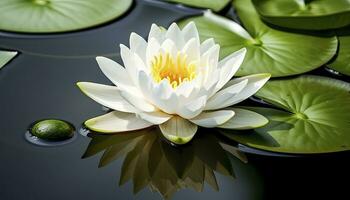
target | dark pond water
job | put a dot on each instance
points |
(40, 84)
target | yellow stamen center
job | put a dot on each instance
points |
(177, 70)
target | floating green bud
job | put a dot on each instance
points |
(52, 129)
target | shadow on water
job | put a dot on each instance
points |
(152, 162)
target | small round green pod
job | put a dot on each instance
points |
(52, 129)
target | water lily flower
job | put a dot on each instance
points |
(176, 82)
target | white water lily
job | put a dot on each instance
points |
(173, 81)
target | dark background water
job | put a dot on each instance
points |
(40, 83)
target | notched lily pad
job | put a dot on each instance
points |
(6, 56)
(314, 116)
(49, 16)
(341, 62)
(216, 5)
(268, 50)
(305, 14)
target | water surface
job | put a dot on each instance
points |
(40, 83)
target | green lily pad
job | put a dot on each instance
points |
(6, 56)
(305, 14)
(314, 116)
(216, 5)
(49, 16)
(268, 50)
(341, 63)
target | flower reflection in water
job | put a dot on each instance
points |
(151, 161)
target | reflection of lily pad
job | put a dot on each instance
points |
(215, 5)
(342, 61)
(47, 16)
(316, 117)
(305, 14)
(5, 57)
(268, 50)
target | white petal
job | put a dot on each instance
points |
(255, 82)
(169, 46)
(145, 84)
(193, 108)
(229, 66)
(162, 90)
(209, 63)
(138, 101)
(213, 119)
(244, 119)
(157, 33)
(178, 130)
(138, 45)
(185, 89)
(169, 104)
(163, 97)
(132, 62)
(153, 49)
(206, 45)
(114, 72)
(208, 88)
(224, 97)
(108, 96)
(174, 33)
(191, 50)
(190, 31)
(210, 85)
(157, 117)
(115, 121)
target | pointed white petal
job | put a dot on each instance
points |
(193, 108)
(169, 46)
(255, 82)
(138, 45)
(145, 85)
(132, 63)
(244, 119)
(157, 117)
(185, 89)
(152, 50)
(209, 87)
(138, 101)
(157, 33)
(174, 33)
(162, 90)
(212, 81)
(178, 130)
(209, 63)
(206, 45)
(169, 104)
(213, 119)
(229, 66)
(161, 95)
(191, 50)
(108, 96)
(190, 31)
(114, 72)
(224, 97)
(115, 121)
